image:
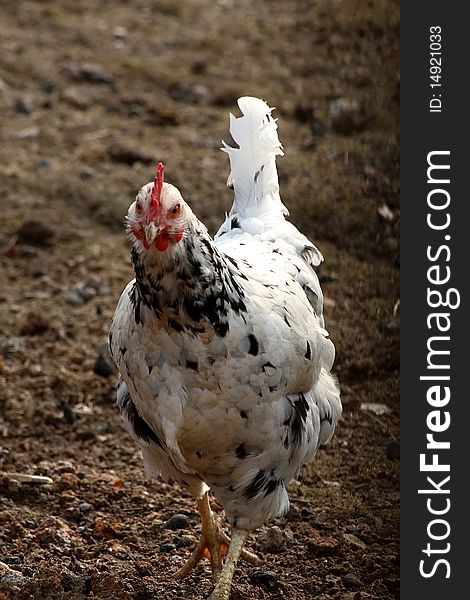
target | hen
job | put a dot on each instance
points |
(220, 343)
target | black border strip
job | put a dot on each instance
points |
(422, 132)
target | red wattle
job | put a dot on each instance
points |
(161, 242)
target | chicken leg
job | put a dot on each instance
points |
(213, 544)
(224, 582)
(209, 542)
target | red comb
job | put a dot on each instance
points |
(158, 185)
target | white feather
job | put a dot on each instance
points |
(253, 174)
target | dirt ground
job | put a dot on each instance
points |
(92, 94)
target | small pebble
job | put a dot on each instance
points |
(29, 133)
(191, 94)
(351, 581)
(304, 114)
(11, 580)
(134, 110)
(293, 514)
(103, 428)
(318, 128)
(94, 283)
(385, 212)
(120, 32)
(75, 98)
(14, 560)
(87, 293)
(40, 295)
(352, 529)
(34, 324)
(354, 540)
(345, 116)
(11, 345)
(177, 521)
(84, 507)
(86, 173)
(72, 514)
(28, 252)
(85, 532)
(264, 578)
(199, 67)
(272, 540)
(74, 298)
(107, 527)
(24, 105)
(322, 546)
(68, 481)
(48, 86)
(94, 74)
(44, 164)
(73, 584)
(39, 271)
(182, 542)
(35, 232)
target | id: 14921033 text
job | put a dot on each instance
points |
(435, 68)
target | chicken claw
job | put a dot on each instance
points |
(213, 544)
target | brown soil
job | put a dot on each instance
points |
(91, 95)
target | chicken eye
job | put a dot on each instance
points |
(138, 207)
(175, 211)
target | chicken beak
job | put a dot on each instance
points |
(151, 232)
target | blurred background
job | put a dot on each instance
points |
(92, 95)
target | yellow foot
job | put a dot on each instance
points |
(213, 550)
(214, 547)
(214, 544)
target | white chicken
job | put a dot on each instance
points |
(220, 343)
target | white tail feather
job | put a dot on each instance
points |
(257, 207)
(253, 173)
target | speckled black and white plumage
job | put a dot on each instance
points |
(224, 360)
